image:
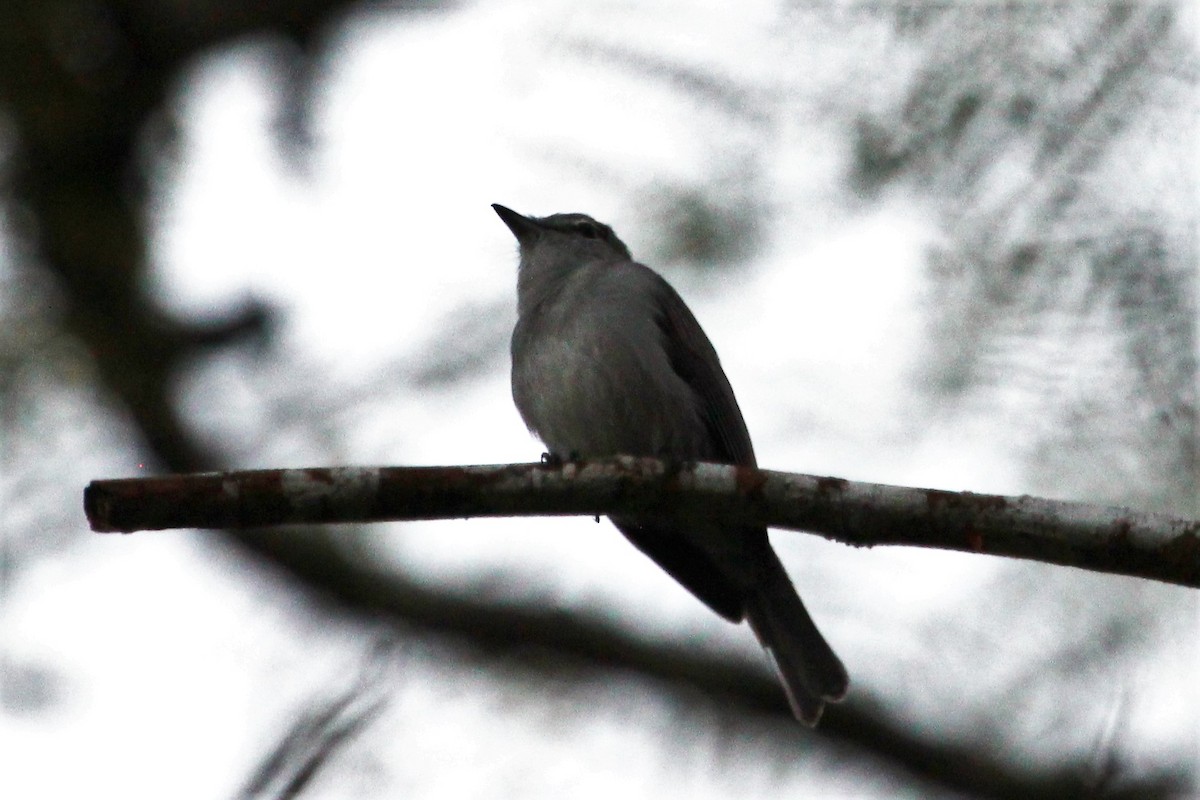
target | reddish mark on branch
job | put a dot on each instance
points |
(974, 539)
(749, 481)
(831, 485)
(938, 500)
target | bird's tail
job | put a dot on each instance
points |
(810, 671)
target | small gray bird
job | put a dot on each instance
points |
(607, 360)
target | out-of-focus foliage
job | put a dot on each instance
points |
(1059, 144)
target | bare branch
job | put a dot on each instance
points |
(1098, 538)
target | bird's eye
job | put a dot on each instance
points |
(588, 230)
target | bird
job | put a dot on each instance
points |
(607, 359)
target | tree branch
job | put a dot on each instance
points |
(1098, 538)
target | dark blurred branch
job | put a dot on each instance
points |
(320, 563)
(313, 740)
(1103, 539)
(82, 84)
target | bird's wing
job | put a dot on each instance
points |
(695, 360)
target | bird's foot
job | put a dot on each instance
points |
(555, 460)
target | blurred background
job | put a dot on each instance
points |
(936, 244)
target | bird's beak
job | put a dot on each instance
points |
(525, 229)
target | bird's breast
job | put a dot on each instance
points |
(601, 384)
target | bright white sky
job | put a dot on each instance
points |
(427, 120)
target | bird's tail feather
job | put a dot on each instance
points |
(809, 669)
